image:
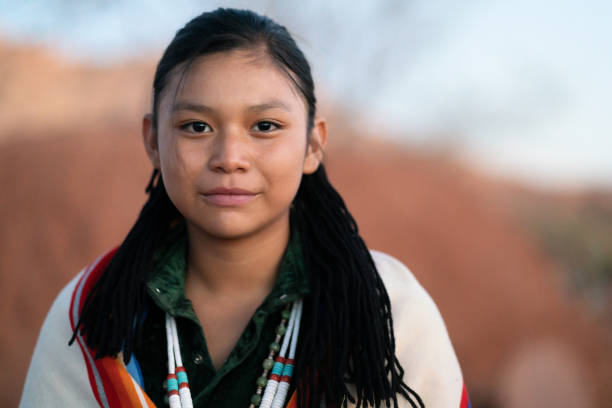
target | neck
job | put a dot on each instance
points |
(245, 266)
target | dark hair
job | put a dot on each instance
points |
(347, 328)
(230, 29)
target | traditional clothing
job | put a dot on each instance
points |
(69, 376)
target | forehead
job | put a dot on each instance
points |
(232, 78)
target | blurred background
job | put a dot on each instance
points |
(470, 139)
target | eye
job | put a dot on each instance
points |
(196, 127)
(266, 126)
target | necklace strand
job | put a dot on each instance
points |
(179, 395)
(279, 381)
(276, 384)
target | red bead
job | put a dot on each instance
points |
(274, 377)
(280, 359)
(285, 378)
(173, 392)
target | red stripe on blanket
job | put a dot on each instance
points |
(90, 373)
(112, 396)
(94, 275)
(88, 279)
(465, 400)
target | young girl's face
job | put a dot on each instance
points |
(231, 143)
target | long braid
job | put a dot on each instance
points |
(348, 328)
(118, 299)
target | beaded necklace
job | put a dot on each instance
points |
(280, 369)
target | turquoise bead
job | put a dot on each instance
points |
(262, 381)
(268, 363)
(281, 330)
(256, 400)
(278, 368)
(274, 346)
(172, 384)
(288, 370)
(182, 377)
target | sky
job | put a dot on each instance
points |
(522, 88)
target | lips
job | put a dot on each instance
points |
(228, 191)
(226, 196)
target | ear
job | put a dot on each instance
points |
(149, 137)
(316, 145)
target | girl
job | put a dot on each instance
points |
(244, 281)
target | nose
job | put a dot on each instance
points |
(229, 153)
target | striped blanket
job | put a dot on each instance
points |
(70, 376)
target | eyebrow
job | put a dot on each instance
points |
(196, 107)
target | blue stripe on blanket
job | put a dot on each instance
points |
(134, 369)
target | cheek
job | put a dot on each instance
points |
(284, 165)
(179, 158)
(180, 168)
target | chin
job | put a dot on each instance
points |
(232, 225)
(229, 233)
(229, 230)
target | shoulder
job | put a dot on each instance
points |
(422, 342)
(56, 330)
(410, 302)
(57, 370)
(393, 272)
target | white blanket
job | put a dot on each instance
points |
(58, 374)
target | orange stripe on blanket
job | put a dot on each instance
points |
(122, 384)
(292, 401)
(142, 399)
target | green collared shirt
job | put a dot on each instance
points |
(235, 382)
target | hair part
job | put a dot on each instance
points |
(347, 327)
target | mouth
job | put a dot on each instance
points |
(228, 191)
(223, 196)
